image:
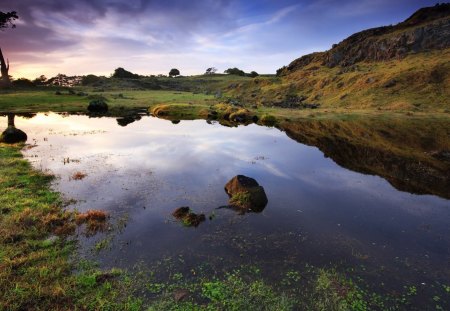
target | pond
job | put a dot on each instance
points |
(318, 212)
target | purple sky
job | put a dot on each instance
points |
(78, 37)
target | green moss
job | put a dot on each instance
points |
(241, 199)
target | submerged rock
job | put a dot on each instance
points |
(246, 193)
(187, 217)
(13, 135)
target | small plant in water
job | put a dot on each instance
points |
(78, 176)
(95, 221)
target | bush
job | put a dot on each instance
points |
(98, 105)
(268, 119)
(121, 73)
(90, 79)
(23, 82)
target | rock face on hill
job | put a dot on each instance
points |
(427, 29)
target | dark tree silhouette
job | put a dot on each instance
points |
(235, 71)
(210, 71)
(6, 21)
(121, 73)
(174, 72)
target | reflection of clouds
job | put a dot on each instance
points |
(159, 166)
(186, 153)
(194, 155)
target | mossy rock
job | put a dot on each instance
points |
(187, 217)
(246, 193)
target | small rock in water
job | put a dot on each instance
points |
(188, 218)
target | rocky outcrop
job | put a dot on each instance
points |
(379, 44)
(427, 29)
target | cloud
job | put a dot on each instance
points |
(151, 36)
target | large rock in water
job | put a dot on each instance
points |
(13, 135)
(246, 193)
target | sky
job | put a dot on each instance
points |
(78, 37)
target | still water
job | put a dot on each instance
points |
(318, 212)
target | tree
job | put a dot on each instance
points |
(211, 71)
(90, 79)
(253, 74)
(6, 21)
(40, 80)
(121, 73)
(23, 82)
(235, 71)
(174, 72)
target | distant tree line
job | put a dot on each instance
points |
(119, 73)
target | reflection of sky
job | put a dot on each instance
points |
(155, 164)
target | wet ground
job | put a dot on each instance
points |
(318, 213)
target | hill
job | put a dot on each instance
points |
(401, 67)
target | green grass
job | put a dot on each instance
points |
(43, 99)
(36, 243)
(422, 85)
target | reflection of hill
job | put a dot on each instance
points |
(412, 155)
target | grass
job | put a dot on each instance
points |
(36, 244)
(422, 84)
(241, 200)
(246, 288)
(44, 99)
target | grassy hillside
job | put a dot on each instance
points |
(418, 82)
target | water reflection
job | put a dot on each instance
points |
(413, 155)
(318, 212)
(12, 134)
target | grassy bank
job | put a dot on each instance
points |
(36, 244)
(45, 99)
